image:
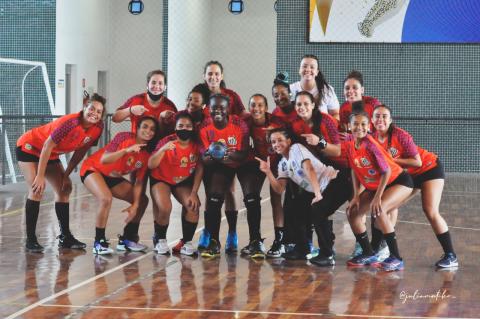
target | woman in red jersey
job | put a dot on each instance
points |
(353, 90)
(102, 173)
(285, 108)
(220, 172)
(214, 84)
(251, 178)
(37, 154)
(176, 169)
(427, 172)
(151, 103)
(379, 185)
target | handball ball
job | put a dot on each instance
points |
(217, 150)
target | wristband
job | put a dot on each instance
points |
(322, 144)
(130, 109)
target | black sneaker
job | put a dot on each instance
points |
(33, 246)
(323, 261)
(213, 249)
(257, 249)
(68, 241)
(295, 254)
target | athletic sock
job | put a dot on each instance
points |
(362, 239)
(160, 231)
(99, 234)
(232, 216)
(63, 214)
(446, 241)
(391, 240)
(32, 208)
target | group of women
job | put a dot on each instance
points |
(318, 153)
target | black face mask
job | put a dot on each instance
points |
(184, 134)
(154, 97)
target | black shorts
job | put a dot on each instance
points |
(434, 173)
(217, 168)
(403, 179)
(186, 182)
(250, 168)
(110, 181)
(26, 157)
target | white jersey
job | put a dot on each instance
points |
(329, 100)
(292, 168)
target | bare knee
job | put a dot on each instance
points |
(106, 201)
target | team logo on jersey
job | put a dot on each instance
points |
(138, 164)
(222, 141)
(184, 161)
(369, 180)
(300, 173)
(86, 139)
(393, 152)
(232, 140)
(130, 161)
(28, 147)
(284, 166)
(365, 162)
(372, 172)
(193, 158)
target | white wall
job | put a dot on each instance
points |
(188, 50)
(245, 44)
(81, 36)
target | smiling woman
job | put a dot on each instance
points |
(37, 153)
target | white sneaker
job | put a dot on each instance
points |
(101, 248)
(188, 250)
(162, 247)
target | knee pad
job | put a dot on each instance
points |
(252, 201)
(215, 202)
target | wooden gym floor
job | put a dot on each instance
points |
(77, 284)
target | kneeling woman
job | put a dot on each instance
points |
(379, 185)
(317, 179)
(176, 169)
(102, 173)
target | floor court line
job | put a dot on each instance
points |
(300, 314)
(16, 211)
(85, 282)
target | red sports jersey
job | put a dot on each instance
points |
(235, 106)
(152, 111)
(346, 109)
(403, 146)
(127, 164)
(65, 131)
(178, 164)
(329, 131)
(234, 135)
(371, 161)
(289, 118)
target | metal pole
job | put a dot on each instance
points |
(3, 150)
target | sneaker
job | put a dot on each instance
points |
(161, 247)
(289, 247)
(357, 251)
(257, 249)
(392, 264)
(100, 247)
(33, 246)
(295, 254)
(314, 252)
(231, 245)
(204, 240)
(178, 247)
(213, 249)
(276, 250)
(130, 245)
(246, 250)
(448, 260)
(383, 252)
(188, 250)
(68, 241)
(323, 261)
(363, 260)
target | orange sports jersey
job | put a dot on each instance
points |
(403, 146)
(234, 135)
(178, 164)
(289, 118)
(65, 131)
(128, 163)
(346, 109)
(371, 161)
(142, 99)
